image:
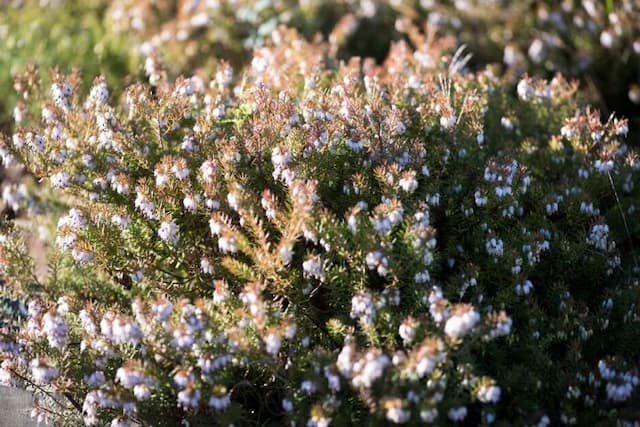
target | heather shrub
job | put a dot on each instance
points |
(317, 241)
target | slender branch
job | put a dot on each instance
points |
(624, 220)
(75, 404)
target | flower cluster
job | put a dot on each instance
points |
(598, 42)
